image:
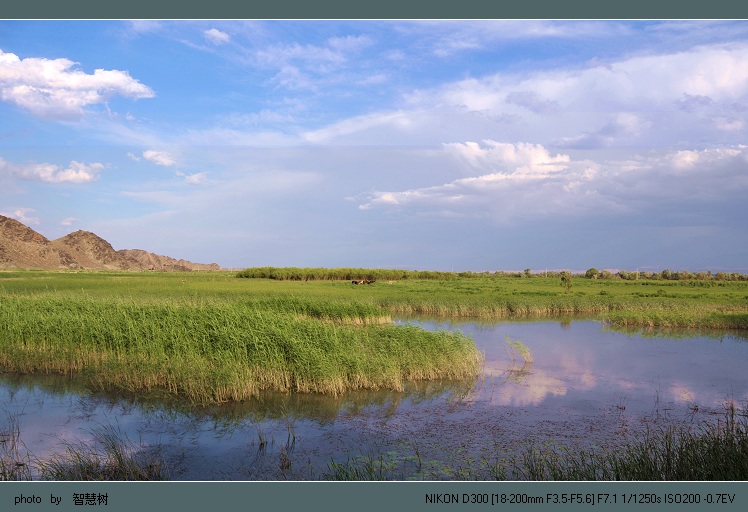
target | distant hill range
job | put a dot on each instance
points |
(23, 248)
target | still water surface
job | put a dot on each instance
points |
(586, 387)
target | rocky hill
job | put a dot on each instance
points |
(23, 248)
(149, 260)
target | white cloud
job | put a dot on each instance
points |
(520, 158)
(701, 162)
(259, 118)
(197, 178)
(145, 26)
(448, 38)
(618, 128)
(684, 159)
(650, 99)
(76, 172)
(216, 37)
(51, 88)
(728, 124)
(523, 168)
(307, 67)
(69, 221)
(387, 120)
(163, 158)
(22, 215)
(526, 181)
(375, 79)
(337, 51)
(220, 136)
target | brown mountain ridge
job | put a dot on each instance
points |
(23, 248)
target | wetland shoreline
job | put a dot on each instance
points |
(211, 337)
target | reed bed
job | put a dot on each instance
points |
(210, 337)
(221, 351)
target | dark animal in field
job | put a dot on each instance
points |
(364, 281)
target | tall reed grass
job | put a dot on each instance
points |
(210, 337)
(221, 351)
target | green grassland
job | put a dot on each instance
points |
(208, 337)
(688, 303)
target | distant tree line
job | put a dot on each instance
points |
(340, 274)
(369, 274)
(666, 274)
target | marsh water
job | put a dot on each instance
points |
(581, 386)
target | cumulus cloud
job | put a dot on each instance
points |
(527, 181)
(685, 159)
(216, 37)
(163, 158)
(647, 99)
(75, 172)
(69, 221)
(53, 88)
(516, 168)
(520, 158)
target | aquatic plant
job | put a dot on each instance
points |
(714, 451)
(111, 457)
(220, 351)
(15, 464)
(517, 347)
(359, 469)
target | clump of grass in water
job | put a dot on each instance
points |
(716, 451)
(115, 459)
(14, 464)
(517, 348)
(359, 469)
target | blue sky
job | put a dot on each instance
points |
(465, 145)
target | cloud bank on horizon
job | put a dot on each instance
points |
(470, 145)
